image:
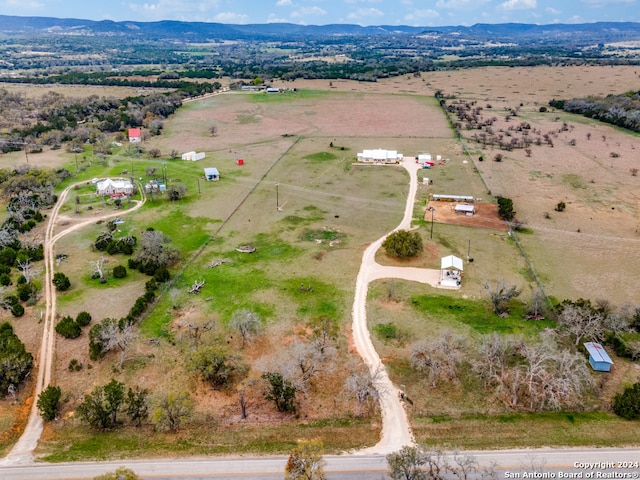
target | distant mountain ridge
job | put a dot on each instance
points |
(201, 31)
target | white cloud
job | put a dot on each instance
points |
(552, 11)
(231, 17)
(273, 18)
(421, 15)
(23, 4)
(284, 3)
(459, 4)
(519, 4)
(308, 11)
(365, 13)
(173, 9)
(604, 3)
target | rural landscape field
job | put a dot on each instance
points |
(309, 210)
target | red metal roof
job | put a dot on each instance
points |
(134, 132)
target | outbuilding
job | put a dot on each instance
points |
(465, 209)
(211, 173)
(135, 135)
(598, 357)
(451, 271)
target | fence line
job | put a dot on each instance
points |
(512, 232)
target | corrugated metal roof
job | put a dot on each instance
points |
(451, 262)
(598, 352)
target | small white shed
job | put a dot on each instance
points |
(211, 173)
(465, 209)
(451, 271)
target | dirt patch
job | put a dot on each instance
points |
(485, 216)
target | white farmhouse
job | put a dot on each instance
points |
(114, 188)
(379, 155)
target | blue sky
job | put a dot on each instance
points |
(322, 12)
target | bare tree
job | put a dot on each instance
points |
(537, 305)
(582, 321)
(536, 374)
(426, 358)
(408, 464)
(305, 362)
(247, 323)
(154, 248)
(27, 269)
(324, 331)
(466, 466)
(501, 294)
(493, 355)
(363, 385)
(97, 268)
(196, 328)
(113, 335)
(452, 347)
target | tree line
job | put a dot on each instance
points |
(622, 110)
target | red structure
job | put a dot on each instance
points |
(240, 161)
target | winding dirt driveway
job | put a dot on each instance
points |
(22, 451)
(396, 432)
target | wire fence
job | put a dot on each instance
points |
(512, 231)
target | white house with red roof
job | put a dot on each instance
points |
(135, 135)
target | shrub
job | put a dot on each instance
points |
(119, 271)
(74, 365)
(386, 331)
(48, 402)
(5, 279)
(280, 391)
(133, 264)
(561, 206)
(8, 256)
(15, 360)
(627, 403)
(505, 208)
(83, 319)
(26, 291)
(68, 328)
(61, 281)
(403, 244)
(10, 301)
(17, 310)
(161, 274)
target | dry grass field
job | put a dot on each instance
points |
(589, 250)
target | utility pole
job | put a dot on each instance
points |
(431, 209)
(277, 199)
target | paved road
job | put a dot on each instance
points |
(551, 462)
(22, 451)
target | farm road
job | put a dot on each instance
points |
(21, 452)
(396, 431)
